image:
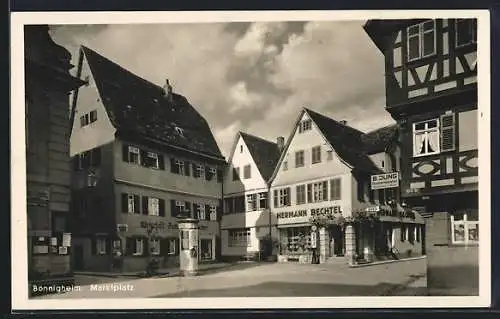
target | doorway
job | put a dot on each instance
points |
(336, 245)
(206, 249)
(78, 258)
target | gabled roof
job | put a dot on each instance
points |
(139, 107)
(346, 141)
(265, 153)
(378, 140)
(381, 30)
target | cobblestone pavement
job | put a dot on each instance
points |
(263, 280)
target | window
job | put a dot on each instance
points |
(285, 165)
(134, 155)
(139, 247)
(404, 232)
(317, 192)
(335, 189)
(241, 148)
(180, 206)
(201, 212)
(131, 203)
(93, 116)
(211, 172)
(236, 173)
(172, 246)
(426, 138)
(180, 167)
(464, 231)
(299, 159)
(100, 246)
(239, 237)
(247, 172)
(213, 212)
(152, 160)
(262, 200)
(251, 202)
(465, 31)
(155, 246)
(282, 197)
(421, 40)
(296, 240)
(411, 233)
(301, 194)
(316, 154)
(329, 155)
(200, 171)
(84, 120)
(305, 125)
(382, 164)
(154, 206)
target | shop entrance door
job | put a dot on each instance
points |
(206, 249)
(336, 241)
(78, 257)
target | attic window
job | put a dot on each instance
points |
(305, 125)
(179, 131)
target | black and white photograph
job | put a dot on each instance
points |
(166, 160)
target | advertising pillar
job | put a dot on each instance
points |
(188, 238)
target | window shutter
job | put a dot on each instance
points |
(109, 245)
(177, 246)
(129, 246)
(96, 156)
(207, 173)
(137, 207)
(145, 203)
(195, 211)
(164, 247)
(125, 152)
(145, 247)
(403, 231)
(124, 203)
(173, 166)
(161, 162)
(300, 127)
(144, 159)
(173, 208)
(86, 159)
(275, 198)
(162, 207)
(309, 193)
(219, 176)
(187, 166)
(188, 208)
(93, 245)
(448, 132)
(76, 161)
(361, 191)
(195, 171)
(219, 210)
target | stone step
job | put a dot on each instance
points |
(336, 260)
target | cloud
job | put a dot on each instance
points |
(253, 77)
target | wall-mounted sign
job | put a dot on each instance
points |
(53, 241)
(66, 240)
(122, 227)
(381, 181)
(310, 212)
(148, 224)
(372, 209)
(314, 239)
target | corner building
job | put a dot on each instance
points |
(325, 169)
(142, 155)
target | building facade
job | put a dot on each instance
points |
(247, 220)
(142, 156)
(431, 91)
(324, 172)
(48, 83)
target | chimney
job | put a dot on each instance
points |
(281, 143)
(343, 122)
(168, 90)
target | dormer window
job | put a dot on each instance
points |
(421, 40)
(179, 131)
(465, 32)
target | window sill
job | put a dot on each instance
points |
(420, 60)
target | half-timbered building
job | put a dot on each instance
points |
(431, 91)
(142, 156)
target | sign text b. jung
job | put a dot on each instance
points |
(381, 181)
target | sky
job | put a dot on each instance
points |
(251, 77)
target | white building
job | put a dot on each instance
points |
(246, 219)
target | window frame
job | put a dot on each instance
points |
(153, 209)
(134, 150)
(426, 131)
(473, 39)
(262, 197)
(101, 246)
(284, 197)
(131, 204)
(200, 169)
(180, 206)
(213, 212)
(155, 159)
(247, 169)
(302, 153)
(136, 246)
(180, 167)
(240, 237)
(316, 151)
(200, 212)
(300, 200)
(92, 119)
(155, 243)
(420, 34)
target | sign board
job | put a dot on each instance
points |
(122, 227)
(382, 181)
(310, 212)
(372, 209)
(313, 239)
(66, 240)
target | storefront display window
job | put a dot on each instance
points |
(295, 241)
(463, 230)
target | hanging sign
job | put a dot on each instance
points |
(66, 240)
(313, 239)
(381, 181)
